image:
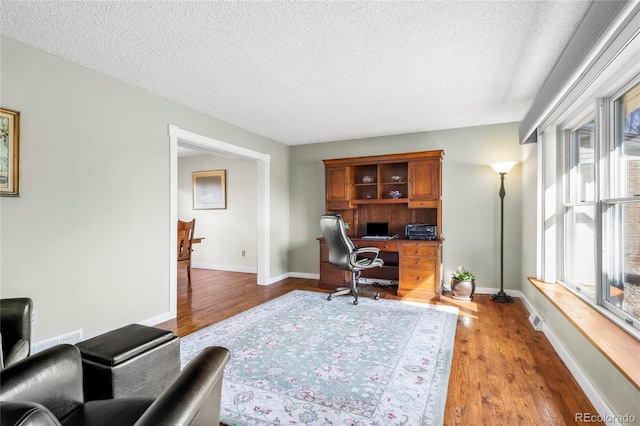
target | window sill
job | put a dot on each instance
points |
(620, 348)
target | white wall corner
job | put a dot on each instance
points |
(274, 280)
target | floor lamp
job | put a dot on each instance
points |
(502, 169)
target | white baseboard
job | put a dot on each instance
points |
(71, 337)
(254, 270)
(229, 268)
(158, 319)
(491, 290)
(275, 279)
(304, 275)
(293, 275)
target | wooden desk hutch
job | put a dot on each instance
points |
(362, 190)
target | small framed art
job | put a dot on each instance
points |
(209, 190)
(9, 152)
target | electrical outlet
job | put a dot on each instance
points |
(34, 317)
(243, 253)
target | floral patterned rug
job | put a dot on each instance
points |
(302, 360)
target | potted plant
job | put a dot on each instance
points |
(463, 284)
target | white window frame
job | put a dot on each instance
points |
(565, 147)
(609, 201)
(604, 174)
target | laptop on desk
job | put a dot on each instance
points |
(377, 231)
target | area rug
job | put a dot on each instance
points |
(303, 360)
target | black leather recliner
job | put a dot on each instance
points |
(46, 389)
(15, 328)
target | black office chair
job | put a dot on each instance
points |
(344, 255)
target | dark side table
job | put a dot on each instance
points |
(132, 361)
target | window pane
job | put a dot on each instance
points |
(624, 282)
(582, 167)
(627, 145)
(579, 262)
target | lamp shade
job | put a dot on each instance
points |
(503, 166)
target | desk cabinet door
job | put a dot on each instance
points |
(338, 187)
(424, 179)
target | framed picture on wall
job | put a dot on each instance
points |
(209, 190)
(9, 152)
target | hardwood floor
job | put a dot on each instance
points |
(502, 373)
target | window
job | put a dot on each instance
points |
(579, 210)
(601, 206)
(621, 209)
(588, 181)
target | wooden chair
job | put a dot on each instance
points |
(185, 238)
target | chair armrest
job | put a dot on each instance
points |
(361, 252)
(19, 351)
(26, 414)
(15, 322)
(52, 378)
(194, 397)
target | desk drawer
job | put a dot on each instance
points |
(418, 278)
(420, 262)
(392, 246)
(324, 252)
(418, 250)
(422, 204)
(389, 245)
(331, 275)
(338, 205)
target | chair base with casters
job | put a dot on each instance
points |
(343, 254)
(354, 290)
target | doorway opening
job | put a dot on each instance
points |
(183, 138)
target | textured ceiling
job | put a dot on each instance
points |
(304, 72)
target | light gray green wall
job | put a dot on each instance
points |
(471, 206)
(88, 238)
(229, 231)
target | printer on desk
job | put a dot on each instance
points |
(421, 231)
